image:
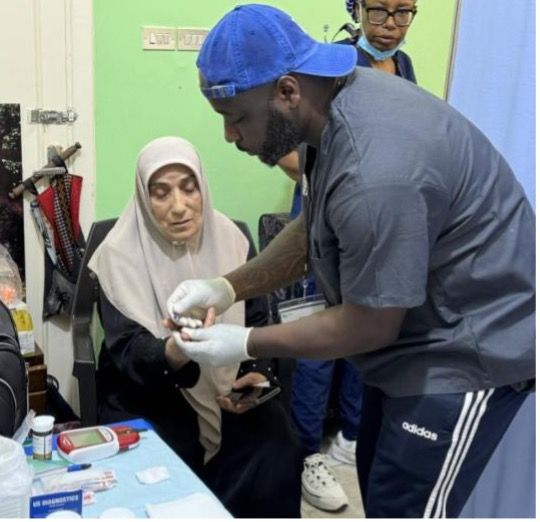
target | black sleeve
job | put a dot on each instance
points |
(257, 313)
(407, 69)
(266, 367)
(139, 355)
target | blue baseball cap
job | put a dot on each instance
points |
(255, 44)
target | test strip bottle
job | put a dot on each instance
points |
(42, 428)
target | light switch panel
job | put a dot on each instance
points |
(191, 38)
(159, 38)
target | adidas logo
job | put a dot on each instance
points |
(420, 431)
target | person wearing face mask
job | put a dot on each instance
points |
(383, 27)
(169, 232)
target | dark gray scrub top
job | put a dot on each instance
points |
(409, 205)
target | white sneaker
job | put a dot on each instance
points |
(342, 451)
(320, 486)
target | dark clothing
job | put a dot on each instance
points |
(416, 209)
(257, 470)
(409, 205)
(421, 456)
(403, 62)
(134, 380)
(312, 386)
(404, 66)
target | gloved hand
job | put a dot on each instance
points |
(219, 345)
(195, 296)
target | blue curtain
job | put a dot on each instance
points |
(494, 78)
(506, 488)
(493, 85)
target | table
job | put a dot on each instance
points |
(129, 492)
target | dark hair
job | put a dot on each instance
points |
(349, 5)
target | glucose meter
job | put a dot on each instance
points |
(88, 444)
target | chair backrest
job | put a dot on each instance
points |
(270, 225)
(86, 296)
(13, 376)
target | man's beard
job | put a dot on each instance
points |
(282, 137)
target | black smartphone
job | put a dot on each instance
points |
(254, 394)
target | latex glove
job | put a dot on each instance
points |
(219, 345)
(194, 297)
(189, 322)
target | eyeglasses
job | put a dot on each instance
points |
(378, 16)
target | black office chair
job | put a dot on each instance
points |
(86, 296)
(270, 225)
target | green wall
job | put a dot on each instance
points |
(141, 95)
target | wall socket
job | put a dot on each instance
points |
(159, 38)
(191, 38)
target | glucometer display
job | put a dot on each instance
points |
(86, 438)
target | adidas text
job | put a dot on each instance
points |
(420, 431)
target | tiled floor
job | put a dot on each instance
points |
(348, 480)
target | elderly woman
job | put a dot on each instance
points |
(170, 232)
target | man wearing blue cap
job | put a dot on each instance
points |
(384, 25)
(419, 236)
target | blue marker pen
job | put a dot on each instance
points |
(63, 469)
(78, 467)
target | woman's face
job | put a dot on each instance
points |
(176, 203)
(388, 35)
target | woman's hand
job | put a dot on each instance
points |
(250, 379)
(174, 355)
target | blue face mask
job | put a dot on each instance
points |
(377, 55)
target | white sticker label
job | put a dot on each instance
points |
(298, 308)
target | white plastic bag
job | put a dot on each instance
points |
(11, 289)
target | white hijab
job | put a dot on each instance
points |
(138, 268)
